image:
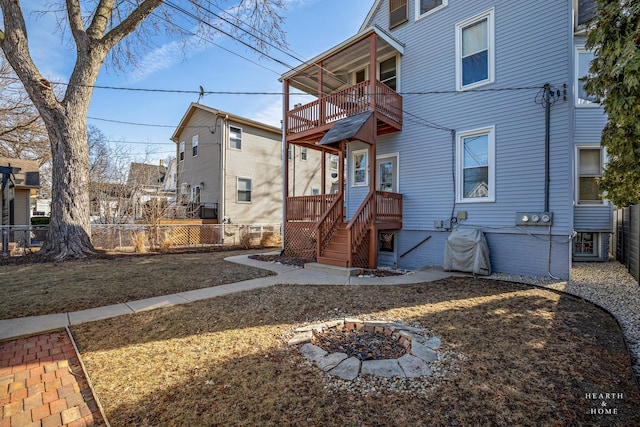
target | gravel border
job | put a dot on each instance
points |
(606, 284)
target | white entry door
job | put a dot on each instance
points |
(387, 173)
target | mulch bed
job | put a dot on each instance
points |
(300, 262)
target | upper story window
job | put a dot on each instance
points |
(181, 155)
(583, 62)
(590, 162)
(244, 190)
(194, 145)
(303, 153)
(426, 7)
(475, 56)
(360, 168)
(289, 150)
(398, 12)
(388, 72)
(475, 158)
(235, 137)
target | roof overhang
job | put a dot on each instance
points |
(343, 58)
(350, 128)
(218, 113)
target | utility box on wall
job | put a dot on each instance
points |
(534, 218)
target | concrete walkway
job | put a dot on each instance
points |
(312, 275)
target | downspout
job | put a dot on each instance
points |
(285, 160)
(223, 168)
(547, 137)
(547, 141)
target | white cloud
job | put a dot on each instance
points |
(270, 114)
(164, 57)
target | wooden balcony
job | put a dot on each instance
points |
(309, 122)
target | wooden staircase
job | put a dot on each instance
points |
(337, 250)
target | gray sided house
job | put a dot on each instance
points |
(19, 181)
(454, 114)
(229, 168)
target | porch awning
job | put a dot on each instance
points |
(350, 128)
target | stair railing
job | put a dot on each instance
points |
(328, 224)
(360, 225)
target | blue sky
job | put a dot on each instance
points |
(311, 26)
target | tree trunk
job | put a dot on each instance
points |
(69, 232)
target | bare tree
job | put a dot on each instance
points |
(99, 28)
(22, 131)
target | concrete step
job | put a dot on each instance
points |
(345, 271)
(338, 261)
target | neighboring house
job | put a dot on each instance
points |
(229, 168)
(440, 112)
(146, 183)
(19, 182)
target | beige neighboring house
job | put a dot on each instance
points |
(20, 180)
(229, 168)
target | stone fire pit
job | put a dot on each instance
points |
(347, 348)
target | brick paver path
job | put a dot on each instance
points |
(42, 384)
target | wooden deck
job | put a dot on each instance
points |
(309, 122)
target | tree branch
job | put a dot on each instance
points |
(100, 20)
(130, 23)
(74, 14)
(15, 46)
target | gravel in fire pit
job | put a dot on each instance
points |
(360, 344)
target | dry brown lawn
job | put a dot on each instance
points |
(31, 288)
(528, 357)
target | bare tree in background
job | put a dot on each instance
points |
(99, 28)
(22, 131)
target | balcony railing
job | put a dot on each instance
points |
(345, 103)
(308, 208)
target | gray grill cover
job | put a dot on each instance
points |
(466, 250)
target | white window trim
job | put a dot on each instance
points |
(194, 145)
(597, 247)
(241, 138)
(353, 168)
(434, 10)
(578, 51)
(489, 15)
(304, 154)
(337, 157)
(603, 162)
(491, 140)
(237, 190)
(380, 61)
(194, 189)
(181, 151)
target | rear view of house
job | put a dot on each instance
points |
(449, 114)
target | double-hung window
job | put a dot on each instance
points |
(235, 137)
(388, 73)
(194, 145)
(303, 153)
(475, 51)
(333, 162)
(583, 62)
(590, 164)
(426, 7)
(398, 12)
(475, 172)
(181, 154)
(244, 190)
(195, 194)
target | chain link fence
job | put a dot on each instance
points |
(139, 238)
